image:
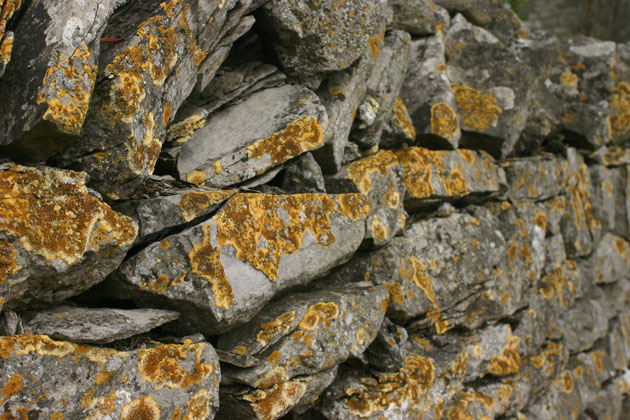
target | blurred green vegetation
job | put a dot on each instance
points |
(517, 5)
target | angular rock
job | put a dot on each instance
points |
(142, 82)
(427, 93)
(312, 39)
(388, 350)
(280, 124)
(56, 240)
(379, 179)
(96, 325)
(398, 130)
(534, 179)
(610, 261)
(609, 198)
(584, 324)
(10, 323)
(431, 176)
(618, 341)
(418, 267)
(53, 101)
(611, 156)
(383, 88)
(304, 176)
(415, 16)
(221, 272)
(491, 99)
(153, 383)
(302, 334)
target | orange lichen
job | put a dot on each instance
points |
(268, 404)
(196, 177)
(360, 170)
(262, 227)
(13, 386)
(181, 132)
(509, 360)
(199, 406)
(567, 383)
(375, 46)
(319, 313)
(67, 108)
(295, 138)
(554, 284)
(192, 204)
(272, 329)
(7, 10)
(401, 119)
(142, 155)
(205, 260)
(53, 215)
(569, 78)
(6, 46)
(619, 120)
(160, 365)
(415, 270)
(145, 408)
(407, 385)
(478, 110)
(444, 121)
(8, 265)
(379, 230)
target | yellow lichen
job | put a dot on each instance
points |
(619, 120)
(379, 230)
(272, 329)
(52, 214)
(268, 404)
(360, 170)
(401, 119)
(8, 265)
(478, 110)
(192, 204)
(196, 177)
(145, 408)
(509, 360)
(554, 284)
(142, 155)
(319, 313)
(444, 121)
(5, 49)
(12, 386)
(375, 46)
(160, 365)
(569, 78)
(180, 132)
(295, 138)
(199, 406)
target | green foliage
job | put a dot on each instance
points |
(517, 5)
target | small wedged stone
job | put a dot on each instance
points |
(534, 179)
(274, 125)
(388, 350)
(379, 178)
(428, 96)
(53, 101)
(96, 325)
(383, 87)
(610, 261)
(56, 240)
(609, 198)
(302, 334)
(163, 382)
(312, 39)
(221, 272)
(491, 101)
(141, 83)
(303, 175)
(413, 16)
(294, 396)
(431, 176)
(398, 130)
(617, 342)
(418, 267)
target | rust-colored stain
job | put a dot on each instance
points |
(444, 121)
(267, 404)
(478, 110)
(375, 46)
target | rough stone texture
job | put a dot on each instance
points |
(304, 176)
(56, 239)
(534, 179)
(96, 326)
(221, 272)
(415, 17)
(154, 383)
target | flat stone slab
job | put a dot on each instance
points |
(163, 382)
(56, 240)
(96, 325)
(220, 273)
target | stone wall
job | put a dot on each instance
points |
(249, 209)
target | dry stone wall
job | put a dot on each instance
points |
(250, 209)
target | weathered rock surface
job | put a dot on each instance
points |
(154, 383)
(56, 239)
(222, 271)
(95, 325)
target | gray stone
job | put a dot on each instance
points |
(379, 179)
(584, 324)
(56, 240)
(610, 261)
(96, 325)
(91, 382)
(221, 272)
(609, 195)
(10, 323)
(398, 130)
(388, 350)
(303, 175)
(534, 179)
(311, 39)
(413, 16)
(274, 125)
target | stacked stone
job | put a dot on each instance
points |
(249, 209)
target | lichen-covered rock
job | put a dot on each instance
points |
(610, 192)
(56, 240)
(413, 16)
(163, 382)
(53, 100)
(398, 129)
(379, 179)
(96, 325)
(302, 334)
(141, 83)
(491, 99)
(312, 39)
(221, 272)
(431, 176)
(279, 124)
(304, 176)
(610, 261)
(388, 350)
(383, 88)
(534, 179)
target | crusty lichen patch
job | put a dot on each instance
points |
(444, 121)
(401, 119)
(478, 110)
(509, 360)
(272, 329)
(192, 204)
(52, 214)
(268, 404)
(145, 408)
(6, 46)
(262, 227)
(360, 170)
(619, 121)
(319, 313)
(180, 132)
